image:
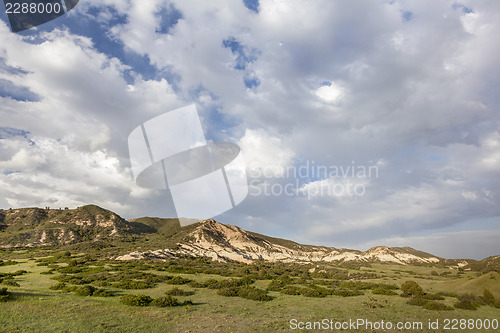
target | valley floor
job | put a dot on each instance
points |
(34, 307)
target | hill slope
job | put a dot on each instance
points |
(154, 237)
(33, 227)
(227, 242)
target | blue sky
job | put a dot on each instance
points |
(408, 87)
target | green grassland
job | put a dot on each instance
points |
(223, 297)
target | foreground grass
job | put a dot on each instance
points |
(36, 308)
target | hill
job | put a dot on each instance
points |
(92, 227)
(35, 227)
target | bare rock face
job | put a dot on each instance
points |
(227, 242)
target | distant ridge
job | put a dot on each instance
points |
(92, 227)
(227, 242)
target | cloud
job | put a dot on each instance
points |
(410, 87)
(265, 155)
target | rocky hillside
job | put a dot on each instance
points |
(227, 242)
(34, 227)
(91, 227)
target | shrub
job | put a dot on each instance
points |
(102, 293)
(229, 292)
(8, 262)
(466, 305)
(178, 280)
(4, 295)
(245, 292)
(438, 306)
(59, 286)
(411, 288)
(70, 269)
(130, 284)
(136, 300)
(417, 300)
(254, 294)
(291, 290)
(178, 292)
(246, 280)
(225, 283)
(10, 282)
(383, 291)
(433, 297)
(276, 285)
(70, 288)
(347, 293)
(85, 290)
(165, 301)
(315, 292)
(488, 298)
(467, 302)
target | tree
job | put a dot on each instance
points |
(412, 288)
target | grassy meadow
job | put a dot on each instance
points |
(71, 292)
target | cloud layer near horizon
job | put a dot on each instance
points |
(408, 87)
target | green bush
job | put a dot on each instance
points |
(411, 288)
(315, 292)
(438, 306)
(229, 292)
(70, 269)
(466, 305)
(254, 294)
(8, 262)
(383, 291)
(347, 293)
(417, 300)
(276, 285)
(245, 292)
(488, 298)
(101, 293)
(292, 290)
(468, 302)
(59, 286)
(178, 292)
(220, 284)
(165, 301)
(85, 290)
(130, 284)
(433, 297)
(136, 300)
(178, 280)
(4, 295)
(10, 282)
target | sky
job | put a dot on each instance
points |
(362, 123)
